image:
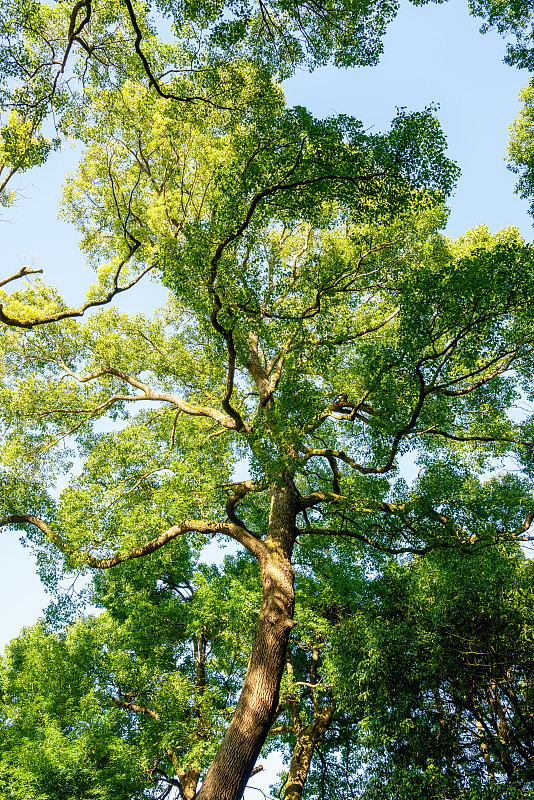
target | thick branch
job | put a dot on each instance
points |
(529, 519)
(135, 707)
(328, 453)
(255, 367)
(236, 492)
(75, 30)
(230, 347)
(236, 532)
(267, 379)
(149, 394)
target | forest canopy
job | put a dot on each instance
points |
(371, 622)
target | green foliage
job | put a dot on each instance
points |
(446, 676)
(105, 706)
(510, 19)
(58, 738)
(321, 329)
(53, 54)
(520, 150)
(430, 662)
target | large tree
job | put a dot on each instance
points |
(319, 328)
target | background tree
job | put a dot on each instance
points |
(416, 681)
(453, 658)
(131, 703)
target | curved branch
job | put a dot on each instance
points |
(315, 498)
(227, 335)
(79, 312)
(74, 31)
(529, 519)
(236, 532)
(150, 75)
(134, 707)
(23, 271)
(148, 394)
(236, 492)
(328, 453)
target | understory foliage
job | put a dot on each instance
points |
(426, 667)
(370, 378)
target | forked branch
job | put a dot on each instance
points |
(23, 271)
(78, 312)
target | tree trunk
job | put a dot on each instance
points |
(308, 738)
(188, 782)
(255, 711)
(485, 752)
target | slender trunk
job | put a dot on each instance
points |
(189, 778)
(255, 711)
(188, 782)
(485, 751)
(308, 738)
(503, 733)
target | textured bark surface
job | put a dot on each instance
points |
(188, 783)
(228, 774)
(308, 737)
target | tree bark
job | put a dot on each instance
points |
(188, 782)
(230, 770)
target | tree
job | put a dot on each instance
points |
(510, 20)
(446, 677)
(58, 737)
(414, 682)
(300, 341)
(521, 147)
(131, 703)
(319, 327)
(51, 56)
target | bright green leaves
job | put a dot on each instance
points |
(143, 485)
(51, 54)
(340, 343)
(185, 186)
(97, 41)
(152, 680)
(62, 739)
(263, 223)
(320, 328)
(521, 146)
(143, 471)
(21, 147)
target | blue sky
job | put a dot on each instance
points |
(432, 54)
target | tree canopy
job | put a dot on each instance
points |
(321, 336)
